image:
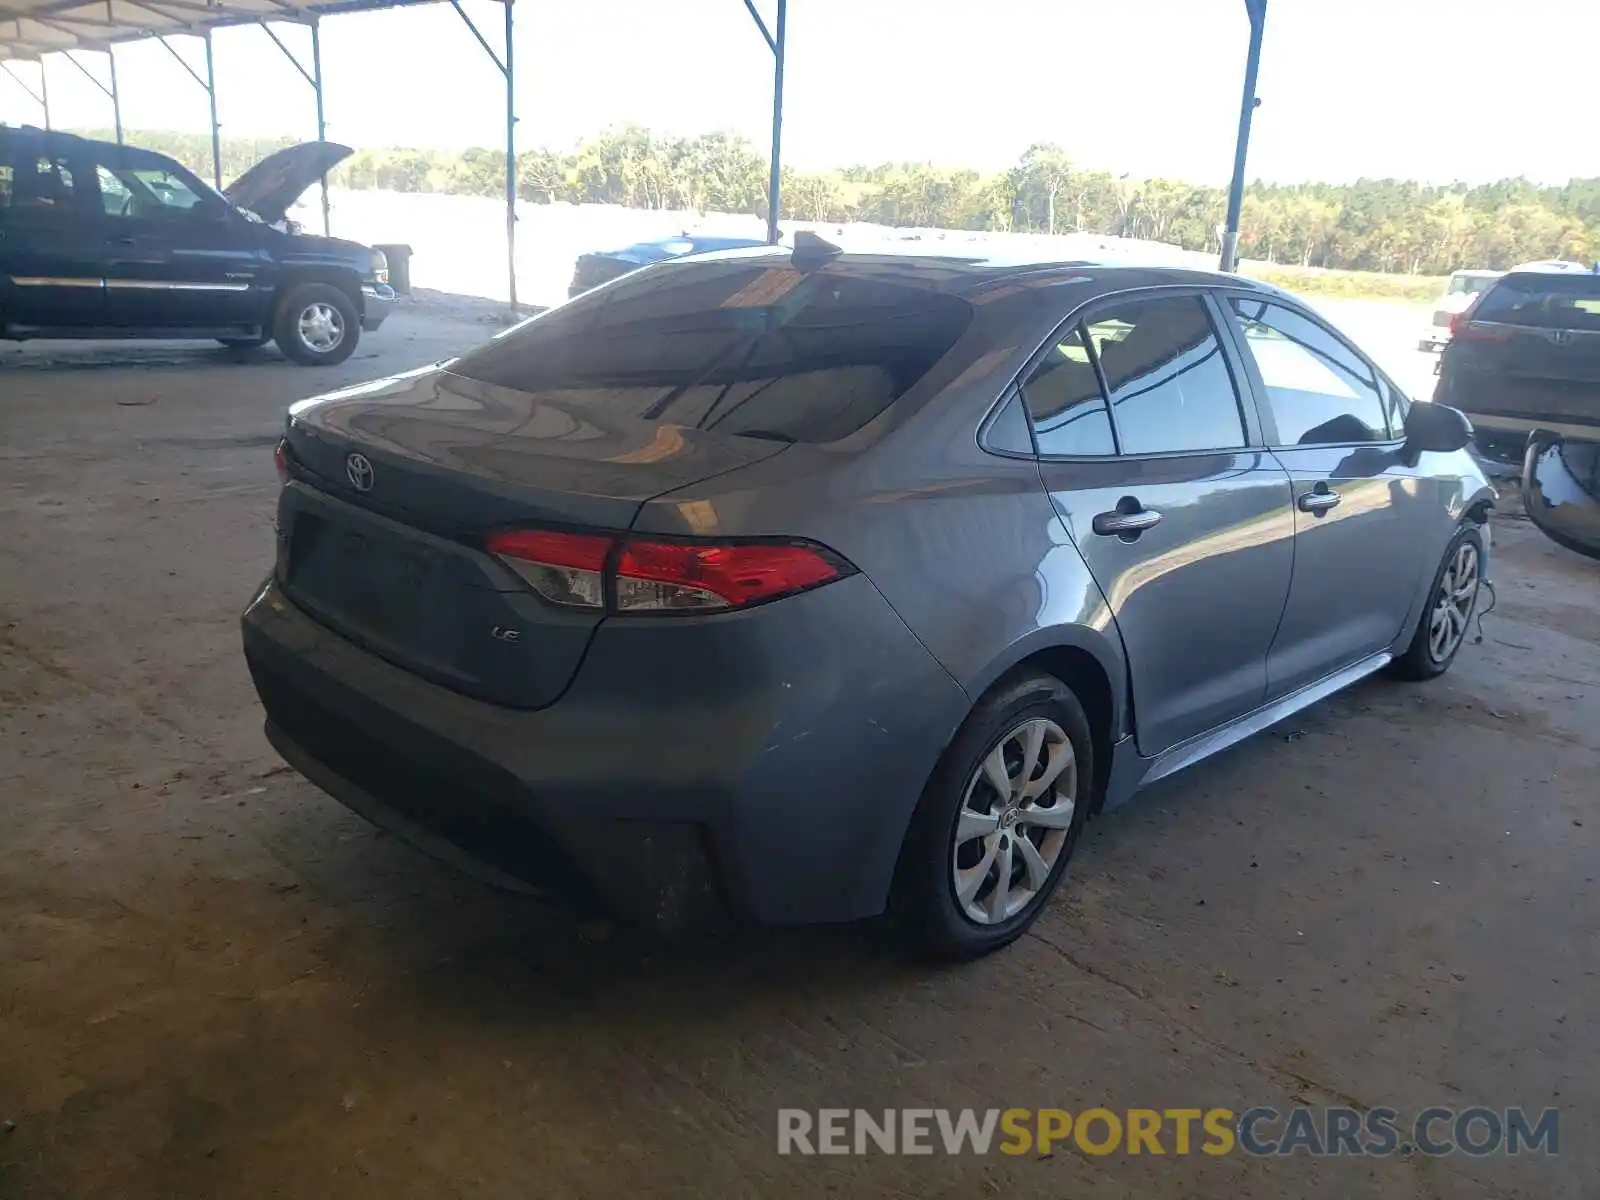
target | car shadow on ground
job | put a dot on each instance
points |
(456, 945)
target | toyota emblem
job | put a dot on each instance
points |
(358, 470)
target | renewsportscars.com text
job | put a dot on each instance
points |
(1259, 1132)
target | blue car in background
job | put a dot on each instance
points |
(603, 266)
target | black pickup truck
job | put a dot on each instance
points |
(99, 240)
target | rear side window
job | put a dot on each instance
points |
(41, 183)
(1170, 385)
(1544, 301)
(741, 347)
(1065, 401)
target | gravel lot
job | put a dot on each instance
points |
(214, 981)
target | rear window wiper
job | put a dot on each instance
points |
(768, 435)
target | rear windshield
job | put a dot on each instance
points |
(1544, 301)
(742, 347)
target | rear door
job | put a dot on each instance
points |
(1363, 518)
(177, 256)
(1530, 356)
(51, 262)
(1183, 521)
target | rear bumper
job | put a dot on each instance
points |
(377, 302)
(768, 774)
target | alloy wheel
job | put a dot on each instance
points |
(1452, 607)
(321, 327)
(1016, 813)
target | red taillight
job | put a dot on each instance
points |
(679, 576)
(580, 571)
(280, 459)
(1463, 326)
(564, 568)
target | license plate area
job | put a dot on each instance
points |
(381, 585)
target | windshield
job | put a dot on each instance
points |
(743, 347)
(1469, 285)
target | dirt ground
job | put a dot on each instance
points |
(217, 982)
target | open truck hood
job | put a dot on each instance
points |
(270, 188)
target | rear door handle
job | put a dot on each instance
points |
(1318, 501)
(123, 240)
(1129, 519)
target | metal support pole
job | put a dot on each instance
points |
(774, 181)
(511, 163)
(116, 96)
(508, 69)
(111, 92)
(23, 84)
(44, 92)
(1230, 233)
(322, 125)
(211, 95)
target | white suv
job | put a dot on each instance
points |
(1464, 287)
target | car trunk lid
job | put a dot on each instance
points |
(399, 484)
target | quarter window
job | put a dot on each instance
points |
(1169, 383)
(1320, 392)
(1065, 401)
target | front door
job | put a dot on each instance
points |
(1360, 510)
(178, 257)
(1185, 525)
(51, 266)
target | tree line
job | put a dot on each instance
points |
(1371, 224)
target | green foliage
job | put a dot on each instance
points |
(1372, 225)
(1364, 285)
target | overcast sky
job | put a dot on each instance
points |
(1430, 89)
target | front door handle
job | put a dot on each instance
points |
(121, 240)
(1319, 500)
(1128, 520)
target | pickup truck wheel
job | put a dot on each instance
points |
(316, 325)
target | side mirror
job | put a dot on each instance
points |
(1436, 427)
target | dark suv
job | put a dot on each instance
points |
(105, 241)
(1524, 364)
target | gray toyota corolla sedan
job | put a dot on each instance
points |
(790, 587)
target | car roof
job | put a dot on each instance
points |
(979, 274)
(1554, 267)
(51, 135)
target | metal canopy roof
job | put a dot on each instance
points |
(29, 28)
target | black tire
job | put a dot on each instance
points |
(294, 318)
(1422, 659)
(249, 343)
(924, 902)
